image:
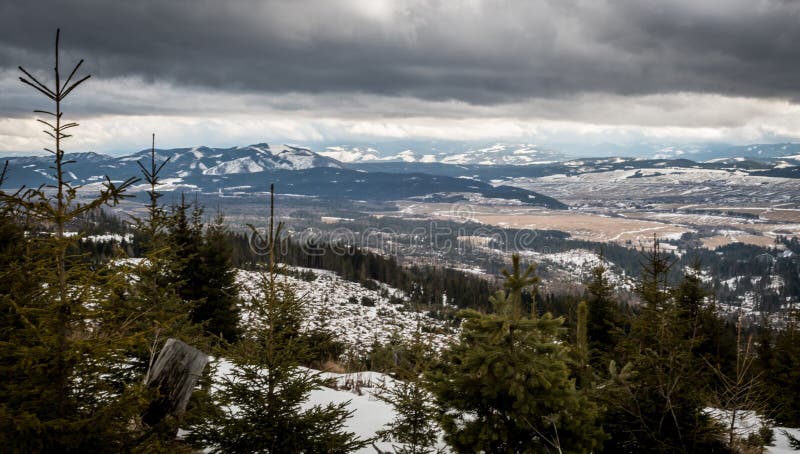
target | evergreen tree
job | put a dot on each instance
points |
(153, 303)
(714, 341)
(202, 267)
(186, 239)
(658, 404)
(61, 340)
(218, 309)
(155, 292)
(582, 368)
(261, 398)
(504, 386)
(690, 298)
(605, 320)
(741, 394)
(782, 373)
(414, 427)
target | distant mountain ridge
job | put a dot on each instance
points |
(249, 159)
(364, 173)
(491, 154)
(239, 171)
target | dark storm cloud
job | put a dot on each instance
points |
(479, 52)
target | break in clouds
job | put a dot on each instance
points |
(238, 71)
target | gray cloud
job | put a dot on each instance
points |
(244, 71)
(480, 52)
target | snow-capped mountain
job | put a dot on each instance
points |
(224, 161)
(768, 152)
(351, 154)
(494, 154)
(239, 171)
(183, 164)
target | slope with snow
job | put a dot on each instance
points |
(337, 305)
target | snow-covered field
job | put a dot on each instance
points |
(339, 306)
(692, 186)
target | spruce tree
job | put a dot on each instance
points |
(504, 385)
(605, 320)
(714, 342)
(202, 267)
(658, 404)
(155, 291)
(690, 296)
(261, 398)
(414, 429)
(740, 395)
(218, 310)
(154, 305)
(782, 376)
(62, 340)
(186, 240)
(580, 352)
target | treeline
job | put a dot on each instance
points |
(426, 285)
(777, 273)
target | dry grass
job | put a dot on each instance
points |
(790, 216)
(587, 226)
(332, 366)
(633, 229)
(714, 242)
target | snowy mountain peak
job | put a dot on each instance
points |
(351, 154)
(240, 159)
(494, 154)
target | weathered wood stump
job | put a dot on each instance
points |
(175, 373)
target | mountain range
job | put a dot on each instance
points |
(487, 154)
(363, 173)
(239, 171)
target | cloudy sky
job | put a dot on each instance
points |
(344, 71)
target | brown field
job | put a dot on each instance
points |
(689, 219)
(634, 229)
(792, 216)
(771, 230)
(583, 226)
(587, 227)
(714, 242)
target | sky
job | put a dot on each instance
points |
(236, 72)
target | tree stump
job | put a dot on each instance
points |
(175, 373)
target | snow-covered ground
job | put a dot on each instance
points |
(331, 307)
(358, 390)
(747, 423)
(339, 306)
(370, 414)
(108, 238)
(733, 188)
(781, 444)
